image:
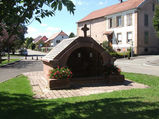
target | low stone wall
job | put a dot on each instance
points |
(63, 84)
(46, 68)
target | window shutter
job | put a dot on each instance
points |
(130, 19)
(109, 23)
(114, 22)
(127, 19)
(122, 20)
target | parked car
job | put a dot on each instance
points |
(2, 53)
(23, 52)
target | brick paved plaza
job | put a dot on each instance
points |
(41, 89)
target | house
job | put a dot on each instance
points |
(125, 25)
(56, 38)
(40, 39)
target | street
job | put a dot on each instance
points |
(141, 64)
(29, 65)
(148, 64)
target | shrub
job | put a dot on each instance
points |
(60, 73)
(110, 69)
(107, 47)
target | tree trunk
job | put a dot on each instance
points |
(8, 56)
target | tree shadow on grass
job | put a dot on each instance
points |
(19, 106)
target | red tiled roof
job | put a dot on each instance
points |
(56, 34)
(124, 6)
(37, 39)
(40, 38)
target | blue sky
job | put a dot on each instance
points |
(65, 21)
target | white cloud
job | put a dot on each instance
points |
(32, 32)
(102, 2)
(53, 29)
(47, 31)
(43, 25)
(31, 29)
(79, 2)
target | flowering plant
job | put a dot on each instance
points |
(111, 69)
(60, 73)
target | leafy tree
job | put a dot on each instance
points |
(14, 13)
(32, 46)
(27, 42)
(156, 19)
(71, 35)
(10, 44)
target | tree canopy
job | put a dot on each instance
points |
(71, 35)
(16, 13)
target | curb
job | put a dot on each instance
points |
(10, 63)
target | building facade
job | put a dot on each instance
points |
(56, 38)
(126, 25)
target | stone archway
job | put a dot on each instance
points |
(85, 62)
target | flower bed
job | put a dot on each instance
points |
(112, 74)
(59, 78)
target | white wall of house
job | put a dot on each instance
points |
(99, 26)
(57, 40)
(122, 29)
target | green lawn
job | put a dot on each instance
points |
(16, 102)
(6, 61)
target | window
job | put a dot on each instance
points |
(146, 20)
(110, 23)
(153, 7)
(119, 38)
(129, 19)
(58, 41)
(129, 37)
(118, 22)
(146, 37)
